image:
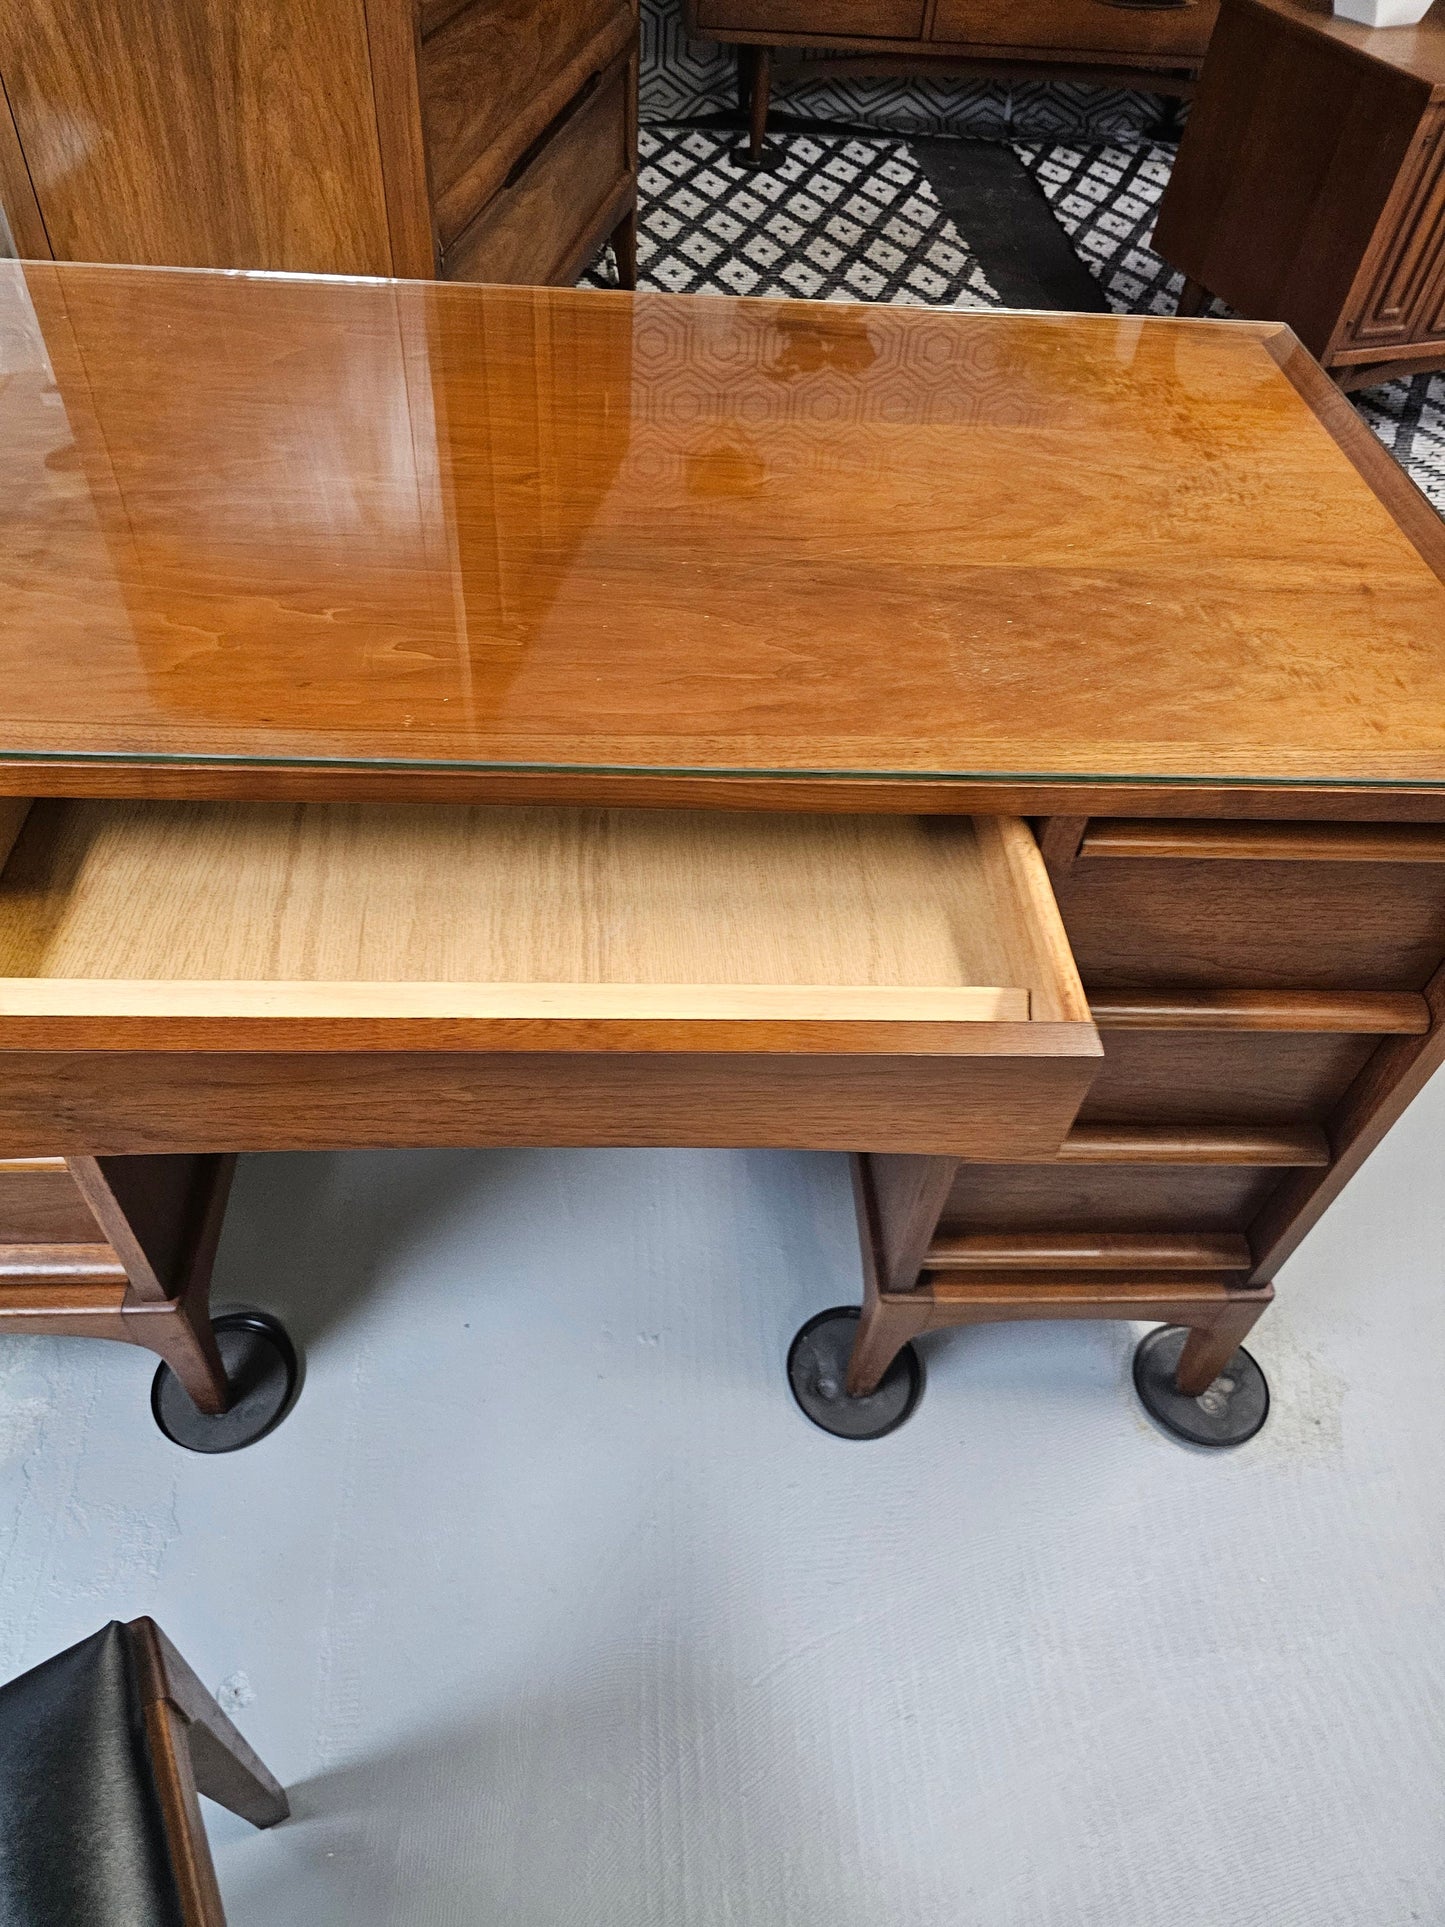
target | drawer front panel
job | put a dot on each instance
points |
(40, 1204)
(747, 979)
(1407, 293)
(538, 225)
(1079, 26)
(492, 76)
(1122, 1198)
(852, 19)
(117, 1102)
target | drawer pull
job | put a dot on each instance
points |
(554, 127)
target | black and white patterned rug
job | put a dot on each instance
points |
(852, 216)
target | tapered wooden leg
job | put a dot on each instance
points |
(1209, 1348)
(1193, 298)
(759, 94)
(883, 1330)
(624, 249)
(181, 1334)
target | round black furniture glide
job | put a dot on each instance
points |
(818, 1373)
(1230, 1411)
(264, 1371)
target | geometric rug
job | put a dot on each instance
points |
(851, 215)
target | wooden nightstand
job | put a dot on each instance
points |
(1310, 185)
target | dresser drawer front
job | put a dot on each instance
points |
(1082, 27)
(851, 19)
(753, 979)
(40, 1203)
(538, 225)
(1405, 300)
(492, 77)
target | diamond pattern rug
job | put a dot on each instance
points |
(838, 218)
(1106, 198)
(851, 217)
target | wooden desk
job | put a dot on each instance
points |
(441, 715)
(1310, 184)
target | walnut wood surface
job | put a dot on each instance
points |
(1266, 842)
(1310, 184)
(232, 559)
(1367, 1012)
(217, 135)
(1297, 1145)
(124, 1102)
(195, 1749)
(1087, 1251)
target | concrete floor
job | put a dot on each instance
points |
(552, 1610)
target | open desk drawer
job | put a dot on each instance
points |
(250, 975)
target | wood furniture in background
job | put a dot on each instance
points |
(1310, 184)
(347, 822)
(104, 1752)
(1158, 44)
(472, 140)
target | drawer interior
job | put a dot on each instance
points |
(287, 909)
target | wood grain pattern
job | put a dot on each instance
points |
(19, 209)
(1154, 1143)
(1054, 1197)
(1087, 1251)
(271, 163)
(1394, 1076)
(561, 197)
(13, 812)
(40, 1204)
(1266, 842)
(123, 1102)
(1310, 185)
(1212, 925)
(355, 895)
(1193, 1077)
(224, 595)
(1362, 1012)
(493, 77)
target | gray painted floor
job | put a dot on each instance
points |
(551, 1608)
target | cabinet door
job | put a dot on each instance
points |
(1404, 274)
(199, 133)
(1169, 30)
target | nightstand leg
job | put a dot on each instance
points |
(624, 249)
(1193, 298)
(759, 95)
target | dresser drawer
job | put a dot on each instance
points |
(492, 76)
(853, 19)
(539, 224)
(1102, 29)
(243, 976)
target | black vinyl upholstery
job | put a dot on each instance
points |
(82, 1838)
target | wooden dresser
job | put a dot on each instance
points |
(476, 140)
(1122, 43)
(1008, 747)
(1310, 184)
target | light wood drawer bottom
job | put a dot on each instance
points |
(234, 976)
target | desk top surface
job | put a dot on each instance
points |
(258, 523)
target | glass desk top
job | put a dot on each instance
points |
(278, 520)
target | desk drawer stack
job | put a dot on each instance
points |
(1269, 997)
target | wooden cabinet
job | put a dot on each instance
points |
(1155, 43)
(1310, 185)
(491, 139)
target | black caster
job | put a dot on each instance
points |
(818, 1372)
(1232, 1410)
(768, 158)
(262, 1366)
